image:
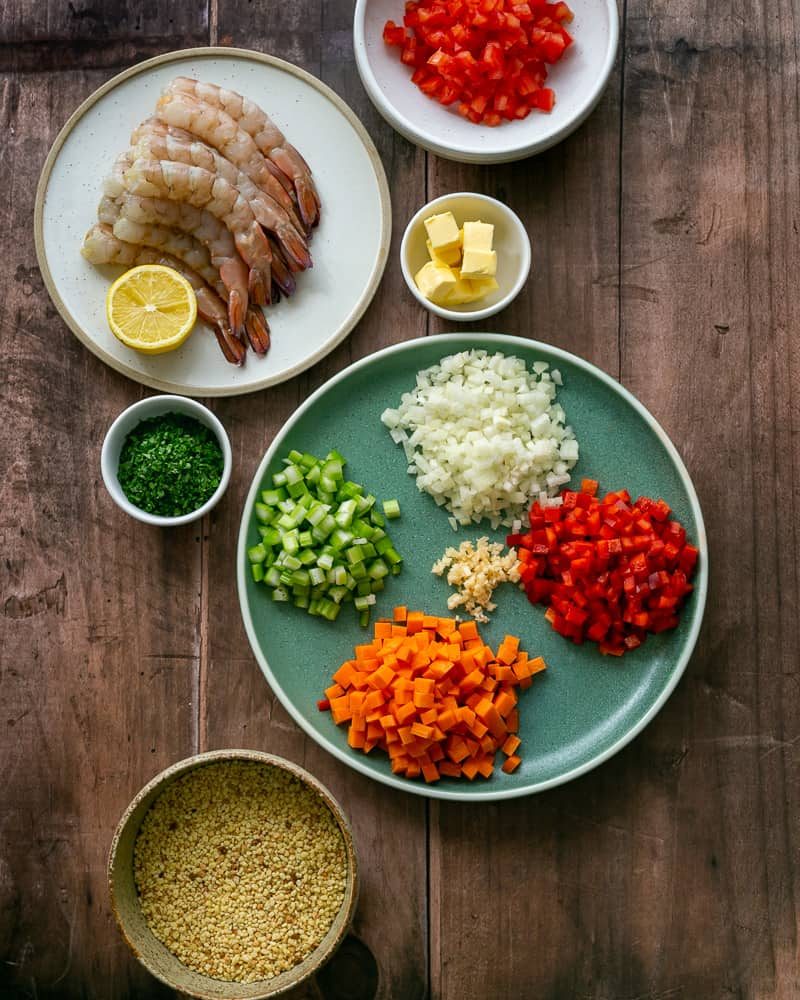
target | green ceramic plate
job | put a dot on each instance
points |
(586, 706)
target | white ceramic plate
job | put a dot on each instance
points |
(578, 80)
(330, 298)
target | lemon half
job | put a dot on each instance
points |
(151, 308)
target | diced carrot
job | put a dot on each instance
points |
(429, 693)
(507, 650)
(537, 664)
(469, 769)
(343, 676)
(383, 629)
(486, 767)
(415, 622)
(356, 738)
(468, 630)
(504, 703)
(381, 678)
(405, 712)
(430, 772)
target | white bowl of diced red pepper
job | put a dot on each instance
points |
(485, 81)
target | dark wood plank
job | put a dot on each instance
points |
(98, 615)
(240, 710)
(710, 204)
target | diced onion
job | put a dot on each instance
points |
(485, 436)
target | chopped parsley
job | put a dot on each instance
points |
(170, 465)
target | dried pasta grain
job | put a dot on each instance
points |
(240, 869)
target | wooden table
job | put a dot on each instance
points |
(665, 235)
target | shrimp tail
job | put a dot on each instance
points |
(298, 257)
(259, 283)
(281, 274)
(237, 307)
(257, 330)
(232, 348)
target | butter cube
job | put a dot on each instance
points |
(443, 231)
(478, 236)
(482, 286)
(479, 264)
(461, 293)
(435, 281)
(447, 258)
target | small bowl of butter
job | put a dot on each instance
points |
(465, 256)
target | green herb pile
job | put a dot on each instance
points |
(170, 465)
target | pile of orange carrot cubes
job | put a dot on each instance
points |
(430, 693)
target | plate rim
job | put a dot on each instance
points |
(701, 591)
(450, 150)
(358, 310)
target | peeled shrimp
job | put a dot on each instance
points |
(101, 246)
(267, 136)
(157, 141)
(187, 249)
(181, 182)
(205, 228)
(216, 128)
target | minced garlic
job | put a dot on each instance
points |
(475, 571)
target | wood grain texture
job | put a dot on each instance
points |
(389, 829)
(99, 616)
(665, 237)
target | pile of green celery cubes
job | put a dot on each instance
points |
(323, 542)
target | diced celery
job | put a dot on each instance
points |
(391, 508)
(257, 569)
(257, 554)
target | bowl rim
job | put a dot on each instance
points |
(473, 315)
(452, 150)
(500, 342)
(189, 406)
(188, 764)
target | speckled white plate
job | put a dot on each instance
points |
(330, 298)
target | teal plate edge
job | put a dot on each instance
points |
(449, 343)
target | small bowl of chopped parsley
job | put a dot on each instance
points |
(166, 460)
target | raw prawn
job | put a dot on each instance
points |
(157, 141)
(266, 134)
(194, 254)
(204, 227)
(183, 183)
(101, 246)
(217, 129)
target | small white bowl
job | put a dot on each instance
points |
(155, 406)
(578, 81)
(510, 241)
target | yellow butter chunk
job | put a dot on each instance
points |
(478, 236)
(461, 293)
(443, 231)
(479, 264)
(482, 286)
(446, 258)
(435, 281)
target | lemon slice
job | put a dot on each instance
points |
(151, 308)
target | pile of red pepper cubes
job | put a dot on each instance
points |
(609, 570)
